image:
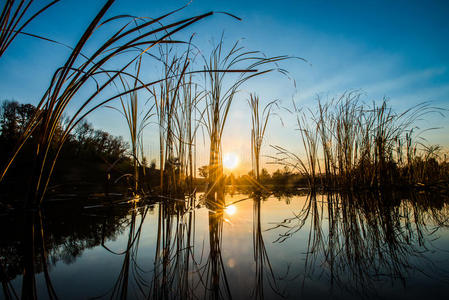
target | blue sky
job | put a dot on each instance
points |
(394, 49)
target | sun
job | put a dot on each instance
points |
(230, 160)
(231, 209)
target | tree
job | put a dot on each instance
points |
(265, 176)
(204, 171)
(8, 120)
(231, 179)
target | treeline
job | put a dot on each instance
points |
(279, 179)
(93, 149)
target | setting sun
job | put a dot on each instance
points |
(230, 160)
(231, 209)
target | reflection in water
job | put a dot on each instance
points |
(120, 289)
(366, 240)
(213, 276)
(263, 265)
(231, 209)
(348, 246)
(34, 249)
(32, 244)
(174, 256)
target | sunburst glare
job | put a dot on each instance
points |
(231, 209)
(230, 160)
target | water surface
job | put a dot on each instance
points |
(302, 246)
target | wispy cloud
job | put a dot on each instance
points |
(407, 80)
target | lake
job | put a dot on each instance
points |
(310, 246)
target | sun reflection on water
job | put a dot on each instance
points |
(231, 209)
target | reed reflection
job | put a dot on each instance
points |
(174, 263)
(131, 274)
(35, 249)
(264, 272)
(34, 241)
(29, 258)
(353, 245)
(213, 274)
(366, 240)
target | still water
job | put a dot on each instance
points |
(302, 246)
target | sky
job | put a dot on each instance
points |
(393, 49)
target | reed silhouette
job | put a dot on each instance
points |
(363, 230)
(351, 145)
(259, 122)
(138, 35)
(15, 18)
(220, 95)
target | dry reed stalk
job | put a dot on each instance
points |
(76, 72)
(259, 121)
(220, 96)
(14, 20)
(351, 145)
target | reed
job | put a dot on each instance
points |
(171, 128)
(136, 122)
(15, 18)
(79, 70)
(220, 95)
(187, 127)
(351, 145)
(259, 121)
